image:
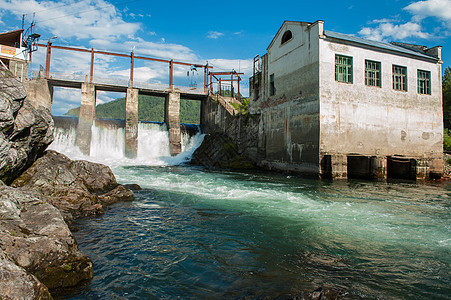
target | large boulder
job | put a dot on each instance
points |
(17, 283)
(25, 132)
(35, 237)
(77, 188)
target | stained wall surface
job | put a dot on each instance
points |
(380, 121)
(289, 124)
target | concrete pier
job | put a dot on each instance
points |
(86, 117)
(172, 120)
(131, 123)
(39, 93)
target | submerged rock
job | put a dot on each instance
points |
(34, 236)
(219, 151)
(77, 188)
(25, 132)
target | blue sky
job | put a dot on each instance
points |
(226, 34)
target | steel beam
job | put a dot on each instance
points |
(91, 72)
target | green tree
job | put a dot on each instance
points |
(446, 85)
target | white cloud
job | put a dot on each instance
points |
(65, 99)
(147, 48)
(100, 25)
(431, 8)
(75, 19)
(239, 65)
(397, 32)
(214, 34)
(104, 97)
(141, 74)
(383, 20)
(388, 29)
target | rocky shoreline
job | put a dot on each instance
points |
(41, 193)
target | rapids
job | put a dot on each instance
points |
(193, 233)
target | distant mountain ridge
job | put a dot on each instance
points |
(149, 109)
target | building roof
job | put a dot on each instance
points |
(10, 38)
(376, 44)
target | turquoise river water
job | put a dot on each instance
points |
(193, 233)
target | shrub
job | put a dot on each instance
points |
(446, 141)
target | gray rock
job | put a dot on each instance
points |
(77, 188)
(16, 283)
(119, 193)
(25, 132)
(133, 186)
(97, 178)
(35, 237)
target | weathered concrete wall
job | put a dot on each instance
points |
(86, 117)
(289, 124)
(131, 123)
(379, 121)
(19, 68)
(172, 120)
(39, 93)
(241, 129)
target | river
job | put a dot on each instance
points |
(194, 233)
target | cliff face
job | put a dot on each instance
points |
(25, 132)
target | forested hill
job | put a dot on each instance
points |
(149, 109)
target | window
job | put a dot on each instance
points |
(286, 37)
(373, 73)
(399, 78)
(272, 89)
(424, 82)
(343, 68)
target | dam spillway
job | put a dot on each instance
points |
(108, 142)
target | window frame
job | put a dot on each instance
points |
(272, 87)
(403, 78)
(286, 37)
(373, 73)
(423, 83)
(346, 66)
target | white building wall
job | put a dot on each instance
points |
(379, 121)
(290, 118)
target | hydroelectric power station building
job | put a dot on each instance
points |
(342, 106)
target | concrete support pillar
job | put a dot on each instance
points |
(131, 123)
(436, 167)
(339, 166)
(86, 117)
(172, 119)
(333, 166)
(380, 167)
(39, 93)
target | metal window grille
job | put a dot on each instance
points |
(424, 82)
(399, 78)
(343, 68)
(373, 73)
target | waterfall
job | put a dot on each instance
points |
(108, 142)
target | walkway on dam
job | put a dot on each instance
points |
(43, 86)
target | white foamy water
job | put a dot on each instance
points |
(240, 234)
(108, 145)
